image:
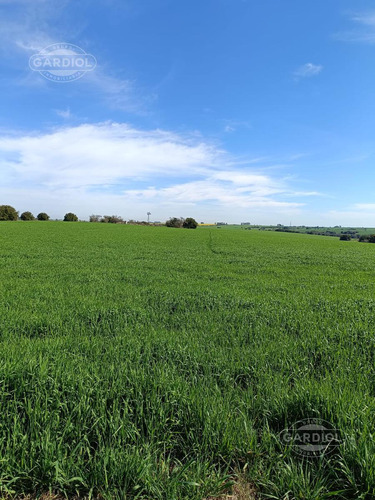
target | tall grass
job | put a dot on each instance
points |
(153, 363)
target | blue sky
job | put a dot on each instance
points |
(232, 110)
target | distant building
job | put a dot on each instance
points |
(245, 224)
(221, 223)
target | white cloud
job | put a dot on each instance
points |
(363, 34)
(64, 113)
(209, 190)
(93, 155)
(308, 70)
(369, 207)
(109, 164)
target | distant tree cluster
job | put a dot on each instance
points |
(367, 238)
(10, 213)
(107, 219)
(179, 222)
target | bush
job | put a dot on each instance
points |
(175, 222)
(8, 213)
(27, 216)
(42, 216)
(364, 238)
(113, 219)
(345, 237)
(70, 217)
(367, 238)
(190, 223)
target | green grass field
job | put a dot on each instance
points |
(157, 363)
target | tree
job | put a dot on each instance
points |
(190, 223)
(42, 216)
(175, 222)
(8, 213)
(111, 219)
(114, 219)
(70, 217)
(95, 218)
(27, 216)
(371, 238)
(345, 237)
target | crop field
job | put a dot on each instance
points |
(157, 363)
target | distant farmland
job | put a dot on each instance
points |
(156, 363)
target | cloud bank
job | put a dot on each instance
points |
(116, 167)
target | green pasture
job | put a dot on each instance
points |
(158, 363)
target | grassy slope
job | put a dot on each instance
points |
(142, 362)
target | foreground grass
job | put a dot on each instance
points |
(153, 363)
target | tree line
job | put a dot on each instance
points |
(9, 213)
(179, 222)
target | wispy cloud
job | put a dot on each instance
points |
(233, 125)
(370, 207)
(36, 25)
(308, 70)
(367, 18)
(209, 190)
(117, 93)
(363, 32)
(30, 25)
(64, 113)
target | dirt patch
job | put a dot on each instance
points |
(242, 490)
